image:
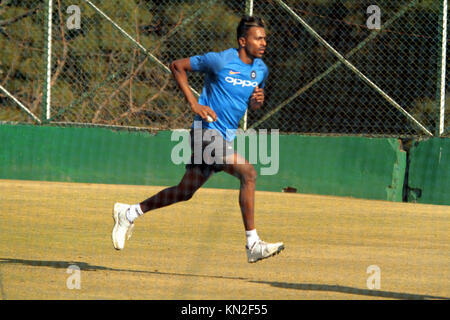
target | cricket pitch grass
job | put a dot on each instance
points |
(51, 233)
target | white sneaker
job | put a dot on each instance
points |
(262, 250)
(122, 227)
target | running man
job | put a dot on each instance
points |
(234, 81)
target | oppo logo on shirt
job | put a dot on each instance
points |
(240, 82)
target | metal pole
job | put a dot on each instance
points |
(20, 104)
(249, 12)
(440, 129)
(48, 89)
(249, 7)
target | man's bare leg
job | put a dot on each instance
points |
(246, 173)
(192, 180)
(124, 215)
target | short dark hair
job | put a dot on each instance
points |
(246, 23)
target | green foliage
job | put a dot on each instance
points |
(426, 110)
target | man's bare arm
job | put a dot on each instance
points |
(179, 70)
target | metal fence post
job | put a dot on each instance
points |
(47, 95)
(249, 12)
(442, 68)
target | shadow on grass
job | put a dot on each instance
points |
(285, 285)
(349, 290)
(88, 267)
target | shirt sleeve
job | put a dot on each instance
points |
(210, 62)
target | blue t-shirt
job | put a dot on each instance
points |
(228, 85)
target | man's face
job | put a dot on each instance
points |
(255, 42)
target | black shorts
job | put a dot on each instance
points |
(216, 147)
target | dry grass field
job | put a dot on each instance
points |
(195, 249)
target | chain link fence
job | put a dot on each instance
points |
(22, 68)
(370, 68)
(384, 83)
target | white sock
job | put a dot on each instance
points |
(252, 237)
(134, 212)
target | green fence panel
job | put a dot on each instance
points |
(358, 167)
(344, 166)
(85, 155)
(429, 172)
